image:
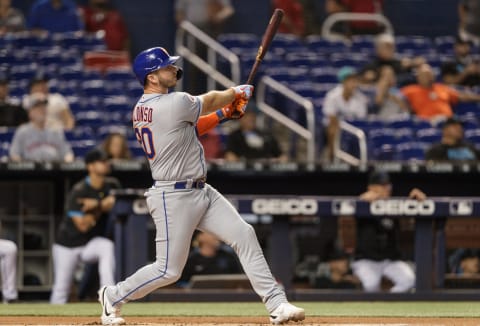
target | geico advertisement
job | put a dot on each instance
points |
(402, 207)
(285, 206)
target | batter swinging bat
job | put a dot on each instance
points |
(272, 27)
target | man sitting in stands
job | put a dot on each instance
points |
(433, 101)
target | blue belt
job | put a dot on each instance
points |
(197, 184)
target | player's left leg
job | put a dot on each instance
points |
(8, 269)
(222, 220)
(101, 250)
(401, 274)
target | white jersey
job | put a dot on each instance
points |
(165, 126)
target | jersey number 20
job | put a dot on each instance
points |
(145, 137)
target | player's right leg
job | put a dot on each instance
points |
(65, 260)
(176, 215)
(222, 220)
(401, 274)
(8, 269)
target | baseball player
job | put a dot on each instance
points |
(180, 201)
(81, 235)
(8, 270)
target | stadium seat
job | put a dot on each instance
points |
(410, 151)
(92, 119)
(104, 131)
(117, 104)
(71, 72)
(23, 72)
(6, 134)
(324, 75)
(119, 74)
(429, 135)
(136, 149)
(93, 87)
(473, 136)
(444, 44)
(320, 45)
(82, 147)
(239, 40)
(80, 133)
(385, 152)
(33, 41)
(288, 75)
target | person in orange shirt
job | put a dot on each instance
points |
(430, 100)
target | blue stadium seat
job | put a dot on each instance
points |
(473, 136)
(82, 147)
(324, 75)
(429, 135)
(92, 119)
(33, 41)
(6, 134)
(71, 72)
(410, 151)
(305, 59)
(414, 44)
(93, 87)
(444, 44)
(134, 89)
(117, 104)
(363, 44)
(288, 75)
(385, 152)
(320, 45)
(119, 74)
(239, 40)
(23, 72)
(80, 133)
(401, 123)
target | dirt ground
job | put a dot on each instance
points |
(232, 321)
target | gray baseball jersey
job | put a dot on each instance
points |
(165, 126)
(41, 145)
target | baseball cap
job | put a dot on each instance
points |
(346, 72)
(379, 178)
(95, 155)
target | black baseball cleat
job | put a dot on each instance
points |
(110, 314)
(286, 312)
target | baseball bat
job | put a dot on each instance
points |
(268, 36)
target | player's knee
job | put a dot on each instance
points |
(407, 282)
(172, 274)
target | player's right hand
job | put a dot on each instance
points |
(243, 92)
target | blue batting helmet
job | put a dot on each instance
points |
(151, 60)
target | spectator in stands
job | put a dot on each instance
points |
(208, 15)
(34, 141)
(432, 101)
(11, 19)
(465, 262)
(212, 145)
(377, 252)
(334, 7)
(389, 103)
(453, 146)
(54, 16)
(345, 101)
(100, 15)
(8, 270)
(385, 59)
(464, 69)
(209, 256)
(469, 20)
(250, 143)
(81, 234)
(364, 7)
(59, 115)
(293, 21)
(116, 147)
(11, 115)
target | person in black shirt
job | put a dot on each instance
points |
(385, 62)
(11, 115)
(209, 257)
(453, 146)
(464, 69)
(377, 253)
(81, 234)
(250, 143)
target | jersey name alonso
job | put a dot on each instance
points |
(164, 125)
